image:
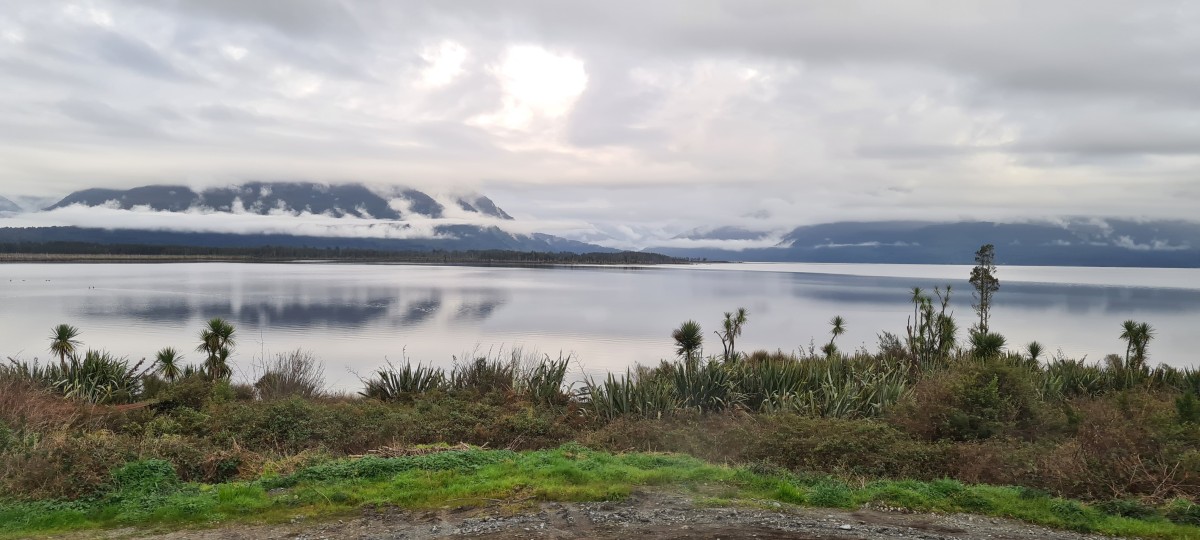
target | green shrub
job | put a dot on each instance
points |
(1126, 444)
(192, 392)
(1183, 511)
(1187, 408)
(287, 425)
(294, 374)
(971, 501)
(1130, 508)
(8, 438)
(543, 383)
(830, 494)
(376, 468)
(65, 465)
(484, 376)
(858, 447)
(144, 477)
(704, 386)
(974, 401)
(631, 395)
(94, 377)
(394, 383)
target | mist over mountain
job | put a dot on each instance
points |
(294, 214)
(722, 233)
(1072, 242)
(294, 198)
(7, 206)
(355, 216)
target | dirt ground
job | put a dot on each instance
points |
(644, 515)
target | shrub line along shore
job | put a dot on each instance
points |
(84, 252)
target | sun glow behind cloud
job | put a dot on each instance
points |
(664, 117)
(538, 85)
(444, 64)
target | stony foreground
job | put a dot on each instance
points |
(644, 515)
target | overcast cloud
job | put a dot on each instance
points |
(629, 120)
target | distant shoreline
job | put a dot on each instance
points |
(59, 258)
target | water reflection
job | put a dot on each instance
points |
(476, 312)
(1076, 299)
(316, 310)
(420, 311)
(355, 316)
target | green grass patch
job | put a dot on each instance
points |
(149, 494)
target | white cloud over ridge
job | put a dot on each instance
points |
(623, 122)
(300, 224)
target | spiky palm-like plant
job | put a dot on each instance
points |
(987, 344)
(838, 327)
(1145, 333)
(167, 363)
(732, 329)
(918, 297)
(688, 339)
(1034, 350)
(63, 342)
(216, 341)
(1129, 331)
(1137, 338)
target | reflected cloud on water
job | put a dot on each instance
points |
(614, 318)
(402, 309)
(1076, 299)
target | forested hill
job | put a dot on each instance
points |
(454, 238)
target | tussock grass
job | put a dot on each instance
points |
(94, 377)
(293, 374)
(541, 379)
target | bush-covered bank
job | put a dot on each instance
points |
(1137, 444)
(150, 493)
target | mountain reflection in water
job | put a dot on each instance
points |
(356, 317)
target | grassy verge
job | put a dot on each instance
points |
(148, 494)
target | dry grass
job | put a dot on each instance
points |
(28, 406)
(294, 374)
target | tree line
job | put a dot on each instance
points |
(276, 253)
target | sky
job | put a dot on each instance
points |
(621, 121)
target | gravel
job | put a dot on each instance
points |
(647, 514)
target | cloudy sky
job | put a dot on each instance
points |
(641, 119)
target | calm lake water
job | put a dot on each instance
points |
(355, 317)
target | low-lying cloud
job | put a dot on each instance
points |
(634, 121)
(303, 224)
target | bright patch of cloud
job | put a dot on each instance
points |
(1154, 245)
(537, 84)
(89, 14)
(233, 52)
(294, 83)
(445, 64)
(865, 244)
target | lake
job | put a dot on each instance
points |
(357, 317)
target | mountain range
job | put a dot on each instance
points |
(1069, 242)
(283, 197)
(7, 206)
(448, 222)
(355, 216)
